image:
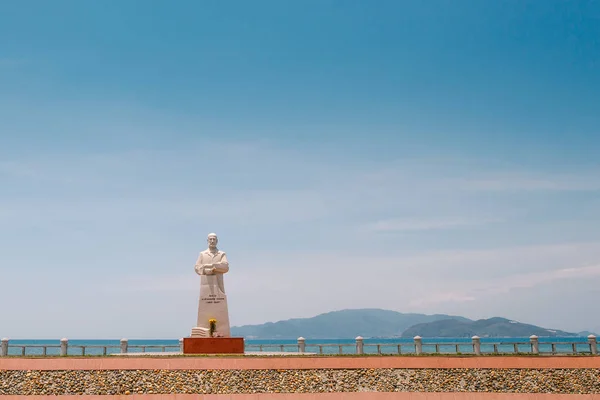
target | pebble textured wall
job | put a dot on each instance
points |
(117, 382)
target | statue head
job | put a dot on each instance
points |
(212, 241)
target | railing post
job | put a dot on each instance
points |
(181, 345)
(535, 346)
(591, 341)
(301, 344)
(476, 345)
(360, 345)
(64, 345)
(124, 345)
(4, 347)
(418, 344)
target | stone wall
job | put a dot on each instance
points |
(124, 382)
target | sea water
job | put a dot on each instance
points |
(319, 346)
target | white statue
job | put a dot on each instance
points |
(213, 315)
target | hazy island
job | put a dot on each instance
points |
(389, 324)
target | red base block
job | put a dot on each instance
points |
(229, 345)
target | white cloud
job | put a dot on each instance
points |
(525, 181)
(11, 62)
(424, 224)
(429, 299)
(19, 170)
(530, 280)
(472, 290)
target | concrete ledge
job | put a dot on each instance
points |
(235, 362)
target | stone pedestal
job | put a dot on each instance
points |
(212, 305)
(228, 345)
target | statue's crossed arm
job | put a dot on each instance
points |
(220, 267)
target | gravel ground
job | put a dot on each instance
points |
(110, 382)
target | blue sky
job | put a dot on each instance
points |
(436, 157)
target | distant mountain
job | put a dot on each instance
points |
(493, 327)
(341, 324)
(586, 333)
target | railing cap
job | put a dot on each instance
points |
(300, 339)
(359, 338)
(589, 337)
(124, 340)
(475, 337)
(4, 339)
(417, 337)
(64, 339)
(533, 337)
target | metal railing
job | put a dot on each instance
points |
(64, 348)
(416, 347)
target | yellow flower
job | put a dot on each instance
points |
(212, 326)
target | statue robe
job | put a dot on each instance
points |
(213, 300)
